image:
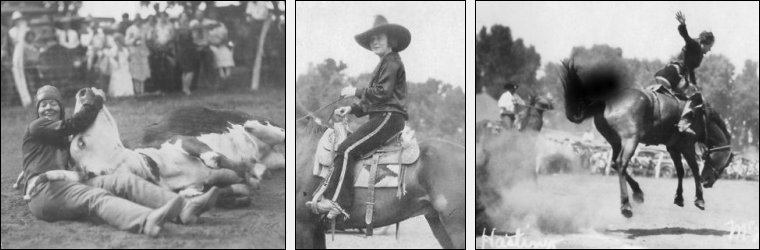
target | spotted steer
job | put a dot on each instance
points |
(188, 151)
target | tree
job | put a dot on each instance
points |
(436, 109)
(745, 97)
(500, 59)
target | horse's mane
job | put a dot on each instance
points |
(714, 117)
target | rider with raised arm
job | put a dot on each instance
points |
(683, 68)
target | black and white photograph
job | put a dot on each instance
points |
(616, 125)
(380, 125)
(143, 124)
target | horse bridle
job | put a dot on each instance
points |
(706, 158)
(311, 114)
(706, 155)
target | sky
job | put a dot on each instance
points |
(437, 49)
(644, 30)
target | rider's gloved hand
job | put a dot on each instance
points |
(680, 17)
(348, 91)
(343, 111)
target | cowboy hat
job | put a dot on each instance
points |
(511, 85)
(393, 31)
(16, 15)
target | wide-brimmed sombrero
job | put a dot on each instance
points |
(393, 31)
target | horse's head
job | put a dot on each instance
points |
(94, 149)
(715, 164)
(718, 154)
(532, 115)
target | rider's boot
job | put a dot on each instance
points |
(321, 205)
(331, 208)
(690, 108)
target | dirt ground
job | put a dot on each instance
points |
(413, 233)
(582, 211)
(262, 225)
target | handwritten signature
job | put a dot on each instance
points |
(748, 231)
(515, 241)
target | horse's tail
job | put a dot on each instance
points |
(585, 98)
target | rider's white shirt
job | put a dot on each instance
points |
(507, 102)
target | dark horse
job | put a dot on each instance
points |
(531, 116)
(435, 189)
(629, 116)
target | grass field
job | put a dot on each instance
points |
(262, 225)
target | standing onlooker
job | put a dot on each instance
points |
(97, 63)
(188, 56)
(219, 44)
(17, 34)
(121, 79)
(31, 60)
(124, 24)
(162, 54)
(138, 54)
(67, 36)
(200, 27)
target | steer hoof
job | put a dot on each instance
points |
(678, 201)
(700, 204)
(190, 192)
(211, 159)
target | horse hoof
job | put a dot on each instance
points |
(678, 201)
(15, 186)
(190, 192)
(638, 197)
(627, 213)
(626, 210)
(700, 204)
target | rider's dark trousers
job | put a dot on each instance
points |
(672, 73)
(379, 129)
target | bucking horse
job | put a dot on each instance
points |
(627, 116)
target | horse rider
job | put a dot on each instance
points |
(382, 101)
(57, 192)
(683, 68)
(507, 103)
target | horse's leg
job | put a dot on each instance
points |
(638, 195)
(628, 148)
(691, 159)
(676, 156)
(439, 231)
(309, 235)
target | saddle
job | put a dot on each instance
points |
(401, 150)
(384, 167)
(655, 93)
